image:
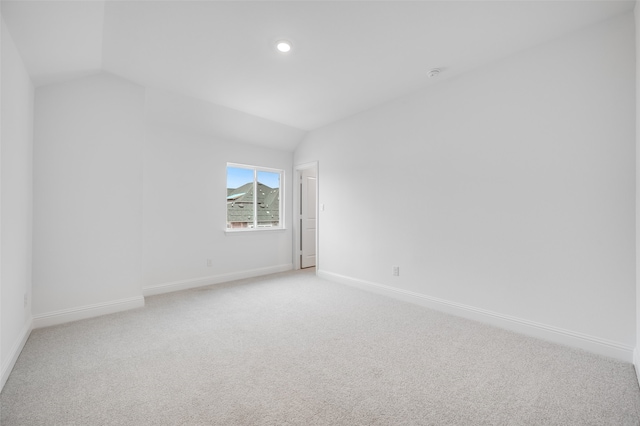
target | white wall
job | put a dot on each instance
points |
(506, 193)
(185, 207)
(88, 144)
(16, 204)
(103, 233)
(636, 359)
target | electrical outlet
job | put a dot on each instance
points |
(209, 262)
(396, 271)
(26, 300)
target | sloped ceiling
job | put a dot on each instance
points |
(57, 40)
(347, 56)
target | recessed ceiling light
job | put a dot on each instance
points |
(283, 46)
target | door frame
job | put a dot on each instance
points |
(297, 232)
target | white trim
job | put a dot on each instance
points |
(15, 352)
(296, 217)
(89, 311)
(249, 231)
(574, 339)
(212, 279)
(636, 362)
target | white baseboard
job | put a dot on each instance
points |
(570, 338)
(88, 311)
(636, 362)
(15, 352)
(212, 279)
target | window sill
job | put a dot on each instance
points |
(252, 231)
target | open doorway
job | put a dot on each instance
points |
(306, 222)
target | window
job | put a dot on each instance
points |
(253, 197)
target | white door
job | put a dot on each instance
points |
(308, 218)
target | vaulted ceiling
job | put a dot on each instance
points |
(347, 56)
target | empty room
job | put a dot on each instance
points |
(429, 215)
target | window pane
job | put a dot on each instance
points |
(239, 198)
(268, 199)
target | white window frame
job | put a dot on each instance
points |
(281, 211)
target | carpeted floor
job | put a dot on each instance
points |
(292, 349)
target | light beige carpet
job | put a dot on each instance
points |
(292, 349)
